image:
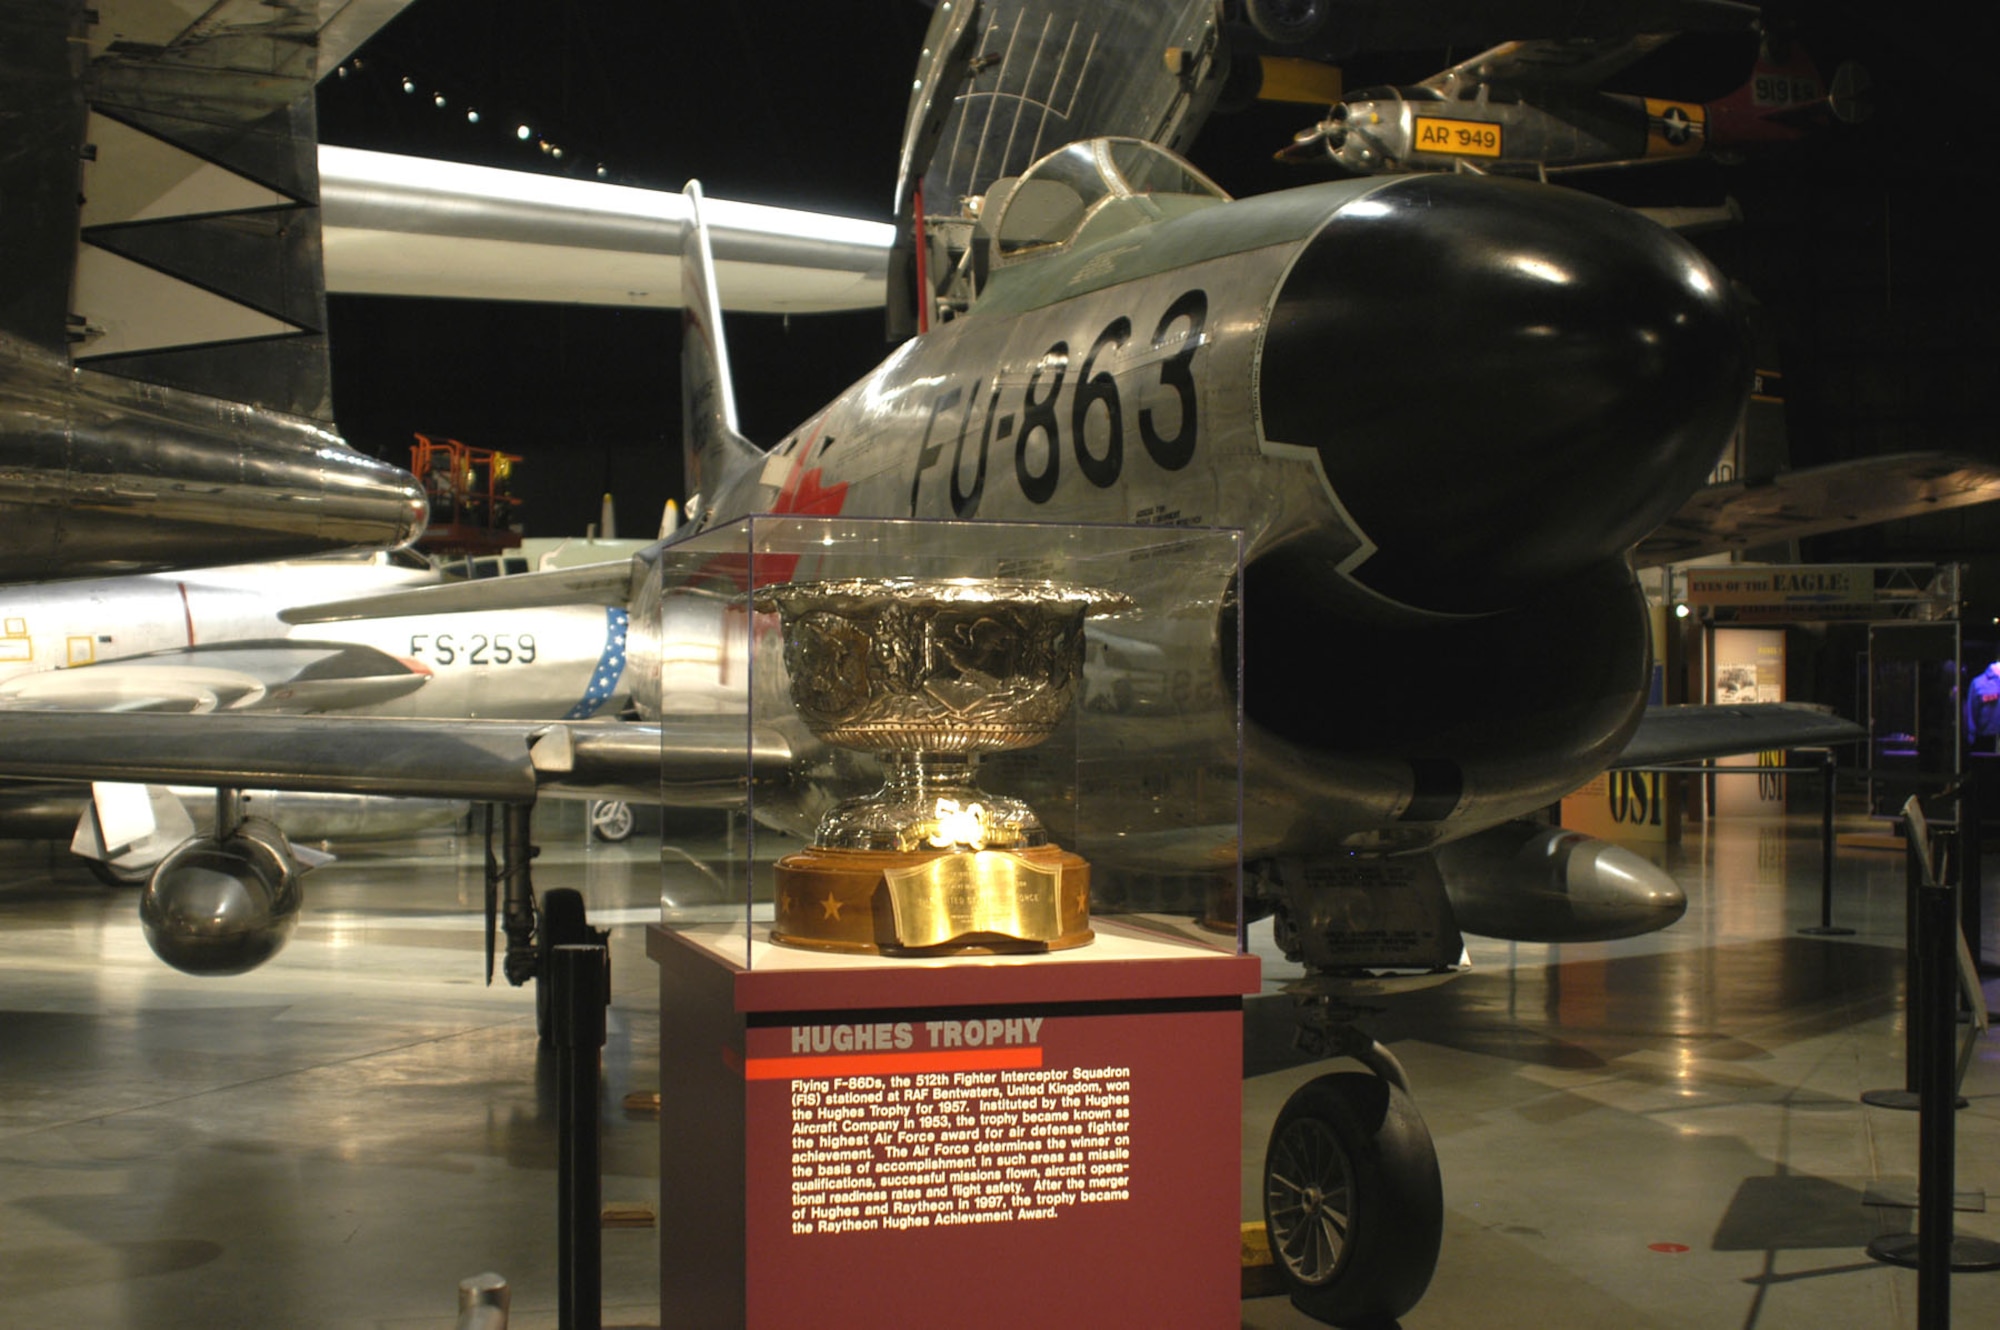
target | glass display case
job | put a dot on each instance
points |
(893, 679)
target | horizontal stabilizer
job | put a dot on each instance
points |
(1690, 733)
(1792, 505)
(587, 584)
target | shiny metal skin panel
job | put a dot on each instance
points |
(1531, 883)
(511, 664)
(50, 625)
(223, 904)
(319, 816)
(101, 475)
(542, 663)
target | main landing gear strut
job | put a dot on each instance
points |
(1352, 1199)
(532, 933)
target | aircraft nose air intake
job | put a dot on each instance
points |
(1505, 382)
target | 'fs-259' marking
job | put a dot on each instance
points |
(476, 649)
(1051, 407)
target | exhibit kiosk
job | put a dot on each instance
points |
(953, 1028)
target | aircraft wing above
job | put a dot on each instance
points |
(408, 226)
(694, 761)
(1791, 505)
(1582, 61)
(1689, 733)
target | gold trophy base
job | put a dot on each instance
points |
(947, 903)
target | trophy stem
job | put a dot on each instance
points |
(930, 801)
(921, 779)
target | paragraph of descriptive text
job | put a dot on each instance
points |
(936, 1149)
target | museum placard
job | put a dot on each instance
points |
(988, 1163)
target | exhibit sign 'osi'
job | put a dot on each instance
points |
(929, 673)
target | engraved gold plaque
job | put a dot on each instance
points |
(846, 900)
(985, 891)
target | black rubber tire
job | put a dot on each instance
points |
(1353, 1203)
(1286, 22)
(560, 922)
(611, 820)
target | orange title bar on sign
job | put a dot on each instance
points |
(889, 1064)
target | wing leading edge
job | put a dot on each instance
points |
(687, 762)
(1689, 733)
(1813, 501)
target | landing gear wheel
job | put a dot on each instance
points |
(1352, 1200)
(1286, 22)
(611, 820)
(561, 923)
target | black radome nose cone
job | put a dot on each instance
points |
(1505, 382)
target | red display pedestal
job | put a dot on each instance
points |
(992, 1141)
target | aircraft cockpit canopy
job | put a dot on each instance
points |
(1098, 186)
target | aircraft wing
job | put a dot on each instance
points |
(611, 583)
(1690, 733)
(408, 226)
(686, 761)
(1812, 501)
(279, 674)
(1584, 62)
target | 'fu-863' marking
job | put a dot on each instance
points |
(475, 649)
(1051, 408)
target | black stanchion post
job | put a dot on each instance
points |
(579, 975)
(1937, 1021)
(1916, 862)
(1971, 876)
(1935, 1250)
(1826, 927)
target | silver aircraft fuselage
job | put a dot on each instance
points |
(1442, 409)
(520, 664)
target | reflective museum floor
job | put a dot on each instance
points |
(1664, 1132)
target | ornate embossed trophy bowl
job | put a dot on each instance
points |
(929, 673)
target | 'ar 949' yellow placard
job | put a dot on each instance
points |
(1461, 138)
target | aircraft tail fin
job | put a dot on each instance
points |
(1785, 89)
(713, 453)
